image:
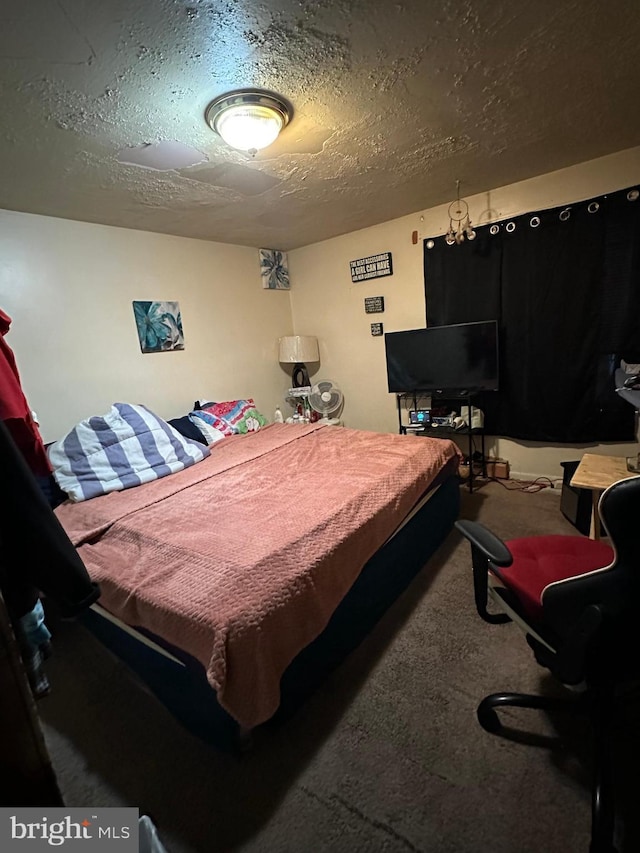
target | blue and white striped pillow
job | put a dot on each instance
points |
(125, 447)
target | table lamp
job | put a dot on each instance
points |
(296, 350)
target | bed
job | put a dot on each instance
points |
(233, 586)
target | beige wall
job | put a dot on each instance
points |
(327, 304)
(69, 287)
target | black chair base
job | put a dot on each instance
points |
(598, 706)
(490, 722)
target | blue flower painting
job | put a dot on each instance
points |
(159, 326)
(274, 269)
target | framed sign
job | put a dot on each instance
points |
(376, 329)
(374, 304)
(375, 266)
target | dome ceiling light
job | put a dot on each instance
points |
(248, 119)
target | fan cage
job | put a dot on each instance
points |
(325, 398)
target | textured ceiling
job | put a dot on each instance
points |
(393, 102)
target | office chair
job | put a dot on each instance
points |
(577, 600)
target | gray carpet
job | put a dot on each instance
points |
(387, 756)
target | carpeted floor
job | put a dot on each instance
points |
(387, 756)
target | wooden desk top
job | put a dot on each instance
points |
(599, 472)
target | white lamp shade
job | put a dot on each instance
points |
(297, 349)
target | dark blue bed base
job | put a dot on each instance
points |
(184, 690)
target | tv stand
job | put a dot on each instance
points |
(465, 400)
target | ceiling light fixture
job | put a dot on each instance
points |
(459, 213)
(248, 119)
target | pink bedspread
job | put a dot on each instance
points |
(242, 559)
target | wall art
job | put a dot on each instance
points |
(274, 269)
(159, 326)
(374, 304)
(374, 266)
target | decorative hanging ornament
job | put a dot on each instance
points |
(459, 221)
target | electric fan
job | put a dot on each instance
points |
(326, 398)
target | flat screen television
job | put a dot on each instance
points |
(460, 358)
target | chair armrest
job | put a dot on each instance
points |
(486, 549)
(489, 545)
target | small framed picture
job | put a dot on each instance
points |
(159, 326)
(274, 269)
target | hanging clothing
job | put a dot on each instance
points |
(14, 409)
(33, 628)
(35, 556)
(35, 552)
(34, 641)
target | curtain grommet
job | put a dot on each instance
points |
(633, 195)
(593, 207)
(534, 221)
(565, 214)
(430, 244)
(494, 229)
(510, 227)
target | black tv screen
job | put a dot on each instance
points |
(456, 358)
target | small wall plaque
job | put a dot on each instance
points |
(376, 329)
(374, 266)
(374, 304)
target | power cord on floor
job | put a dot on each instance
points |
(511, 484)
(531, 486)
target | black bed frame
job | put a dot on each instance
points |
(182, 685)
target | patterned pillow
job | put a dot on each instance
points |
(213, 421)
(209, 433)
(241, 415)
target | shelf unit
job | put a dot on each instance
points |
(465, 401)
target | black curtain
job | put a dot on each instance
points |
(564, 286)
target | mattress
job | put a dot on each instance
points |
(241, 560)
(180, 683)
